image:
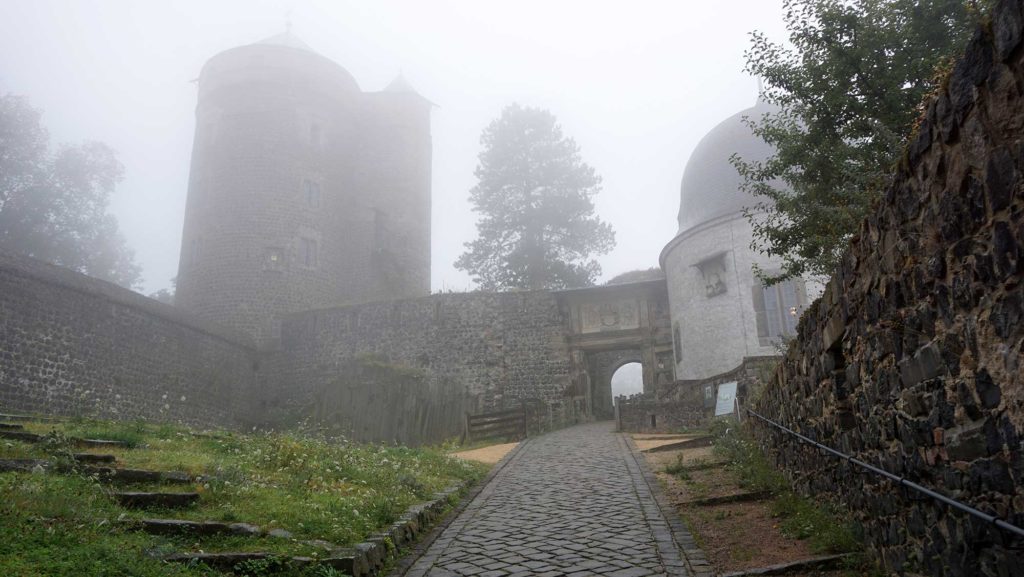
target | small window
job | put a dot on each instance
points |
(273, 258)
(308, 253)
(777, 309)
(712, 271)
(312, 193)
(677, 340)
(197, 249)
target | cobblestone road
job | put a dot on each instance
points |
(574, 502)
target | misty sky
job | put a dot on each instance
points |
(635, 83)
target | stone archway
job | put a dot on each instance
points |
(601, 366)
(609, 326)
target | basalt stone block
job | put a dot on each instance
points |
(988, 391)
(926, 363)
(1006, 28)
(1004, 249)
(1000, 176)
(970, 71)
(991, 475)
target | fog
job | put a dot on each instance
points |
(635, 84)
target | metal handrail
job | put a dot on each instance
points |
(900, 480)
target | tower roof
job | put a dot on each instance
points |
(400, 84)
(286, 39)
(711, 185)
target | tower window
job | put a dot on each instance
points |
(197, 248)
(315, 134)
(312, 193)
(678, 343)
(273, 259)
(712, 270)
(778, 309)
(308, 252)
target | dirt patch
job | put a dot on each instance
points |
(488, 455)
(690, 458)
(734, 536)
(648, 443)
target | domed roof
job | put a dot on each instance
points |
(711, 184)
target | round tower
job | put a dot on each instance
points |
(721, 312)
(304, 191)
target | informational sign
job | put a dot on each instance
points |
(726, 399)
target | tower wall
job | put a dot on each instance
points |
(298, 180)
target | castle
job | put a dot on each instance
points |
(306, 252)
(305, 192)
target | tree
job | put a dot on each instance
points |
(537, 227)
(848, 92)
(53, 205)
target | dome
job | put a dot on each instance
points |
(711, 184)
(283, 58)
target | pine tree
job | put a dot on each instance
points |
(537, 227)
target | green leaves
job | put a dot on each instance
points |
(53, 205)
(847, 91)
(537, 227)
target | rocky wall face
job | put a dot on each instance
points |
(911, 358)
(76, 346)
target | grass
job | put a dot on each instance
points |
(315, 488)
(799, 517)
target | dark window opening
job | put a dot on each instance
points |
(677, 342)
(778, 308)
(312, 193)
(308, 253)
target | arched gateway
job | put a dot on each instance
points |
(609, 326)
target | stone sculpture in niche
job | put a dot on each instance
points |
(712, 270)
(615, 315)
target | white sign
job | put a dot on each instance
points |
(726, 399)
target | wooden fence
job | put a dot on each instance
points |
(510, 424)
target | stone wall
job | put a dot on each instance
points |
(477, 351)
(691, 403)
(911, 358)
(73, 345)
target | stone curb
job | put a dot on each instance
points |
(824, 562)
(687, 444)
(693, 556)
(407, 561)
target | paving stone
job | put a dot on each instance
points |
(572, 502)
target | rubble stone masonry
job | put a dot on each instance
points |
(911, 360)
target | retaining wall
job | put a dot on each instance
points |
(911, 359)
(76, 346)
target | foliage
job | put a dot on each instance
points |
(53, 205)
(846, 94)
(800, 518)
(537, 227)
(315, 488)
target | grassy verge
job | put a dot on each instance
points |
(314, 488)
(799, 517)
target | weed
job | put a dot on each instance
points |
(800, 518)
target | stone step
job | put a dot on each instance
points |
(28, 465)
(824, 562)
(219, 561)
(94, 458)
(35, 438)
(705, 441)
(126, 476)
(10, 427)
(22, 436)
(735, 498)
(179, 526)
(143, 500)
(24, 418)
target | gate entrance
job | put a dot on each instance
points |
(610, 326)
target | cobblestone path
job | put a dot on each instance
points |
(572, 502)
